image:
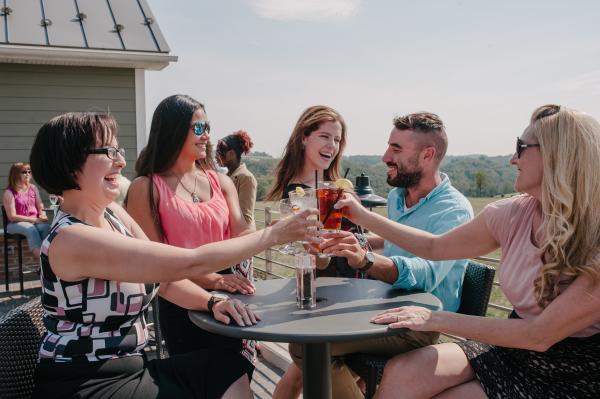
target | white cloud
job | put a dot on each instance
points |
(305, 9)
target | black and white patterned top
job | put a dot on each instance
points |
(91, 319)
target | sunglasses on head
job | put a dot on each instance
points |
(201, 127)
(521, 146)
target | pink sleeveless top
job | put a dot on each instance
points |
(25, 202)
(188, 225)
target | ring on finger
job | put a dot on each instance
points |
(397, 318)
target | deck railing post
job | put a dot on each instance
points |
(269, 251)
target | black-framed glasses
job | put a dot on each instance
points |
(201, 127)
(110, 152)
(521, 145)
(25, 172)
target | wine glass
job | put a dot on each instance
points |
(285, 210)
(53, 199)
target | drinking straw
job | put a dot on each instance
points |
(317, 186)
(346, 173)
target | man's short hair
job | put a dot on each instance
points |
(430, 128)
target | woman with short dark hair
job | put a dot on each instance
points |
(99, 273)
(24, 207)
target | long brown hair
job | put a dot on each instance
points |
(293, 155)
(14, 174)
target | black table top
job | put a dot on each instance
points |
(344, 308)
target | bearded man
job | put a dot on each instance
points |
(422, 198)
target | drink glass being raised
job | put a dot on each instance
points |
(327, 195)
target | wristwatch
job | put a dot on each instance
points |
(214, 300)
(370, 259)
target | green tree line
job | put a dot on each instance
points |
(473, 175)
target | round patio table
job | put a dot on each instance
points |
(344, 308)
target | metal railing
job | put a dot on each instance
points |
(268, 259)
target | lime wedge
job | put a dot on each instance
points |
(300, 191)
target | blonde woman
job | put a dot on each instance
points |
(550, 269)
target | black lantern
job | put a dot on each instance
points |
(365, 193)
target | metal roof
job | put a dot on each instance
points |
(60, 31)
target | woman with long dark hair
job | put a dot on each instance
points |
(179, 199)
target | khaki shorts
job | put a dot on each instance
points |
(343, 380)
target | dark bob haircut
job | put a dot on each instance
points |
(61, 145)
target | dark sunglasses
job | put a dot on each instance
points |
(25, 172)
(521, 146)
(201, 127)
(110, 152)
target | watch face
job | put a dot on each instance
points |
(370, 257)
(220, 297)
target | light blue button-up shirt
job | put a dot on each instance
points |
(441, 210)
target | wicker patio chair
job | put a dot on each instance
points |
(477, 288)
(20, 334)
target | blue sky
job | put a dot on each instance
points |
(483, 66)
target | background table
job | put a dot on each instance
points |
(344, 308)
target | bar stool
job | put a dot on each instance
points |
(18, 238)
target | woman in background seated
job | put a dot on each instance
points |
(99, 273)
(24, 207)
(550, 272)
(229, 155)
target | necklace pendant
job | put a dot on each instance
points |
(195, 198)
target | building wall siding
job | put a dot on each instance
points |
(30, 95)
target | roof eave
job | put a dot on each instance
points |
(84, 57)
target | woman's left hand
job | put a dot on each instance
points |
(415, 318)
(234, 309)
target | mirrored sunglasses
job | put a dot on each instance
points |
(201, 127)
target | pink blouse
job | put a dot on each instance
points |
(510, 221)
(188, 225)
(25, 202)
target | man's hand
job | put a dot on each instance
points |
(346, 245)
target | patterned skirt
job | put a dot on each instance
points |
(569, 369)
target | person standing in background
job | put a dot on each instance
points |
(229, 155)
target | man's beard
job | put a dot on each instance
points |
(405, 178)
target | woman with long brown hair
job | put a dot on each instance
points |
(317, 143)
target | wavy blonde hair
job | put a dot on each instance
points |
(570, 148)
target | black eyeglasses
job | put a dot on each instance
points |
(201, 127)
(110, 152)
(25, 172)
(521, 146)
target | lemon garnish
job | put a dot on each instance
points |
(344, 184)
(300, 191)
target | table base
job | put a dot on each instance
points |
(316, 371)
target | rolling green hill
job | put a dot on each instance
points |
(473, 175)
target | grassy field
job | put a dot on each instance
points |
(287, 271)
